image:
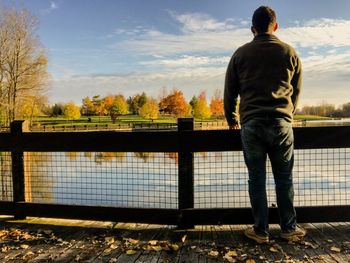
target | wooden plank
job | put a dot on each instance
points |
(141, 215)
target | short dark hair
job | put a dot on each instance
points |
(263, 18)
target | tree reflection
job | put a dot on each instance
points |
(38, 182)
(5, 176)
(145, 156)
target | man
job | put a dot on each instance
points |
(266, 74)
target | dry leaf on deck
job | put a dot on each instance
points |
(183, 239)
(273, 249)
(174, 247)
(335, 249)
(213, 253)
(232, 253)
(250, 260)
(24, 246)
(157, 248)
(131, 252)
(109, 240)
(153, 242)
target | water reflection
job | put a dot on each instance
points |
(151, 179)
(5, 176)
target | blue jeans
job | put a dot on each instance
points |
(272, 137)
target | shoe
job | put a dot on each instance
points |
(250, 233)
(294, 234)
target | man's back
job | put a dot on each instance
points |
(268, 77)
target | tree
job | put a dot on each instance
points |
(217, 104)
(118, 107)
(57, 109)
(136, 102)
(87, 108)
(193, 101)
(150, 110)
(98, 105)
(71, 111)
(23, 62)
(175, 104)
(201, 109)
(32, 106)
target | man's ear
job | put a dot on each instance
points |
(253, 30)
(275, 27)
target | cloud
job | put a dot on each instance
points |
(201, 33)
(195, 57)
(48, 10)
(186, 61)
(198, 22)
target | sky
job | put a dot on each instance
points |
(103, 47)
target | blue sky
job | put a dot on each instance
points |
(101, 47)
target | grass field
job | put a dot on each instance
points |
(126, 119)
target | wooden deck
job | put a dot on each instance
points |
(53, 240)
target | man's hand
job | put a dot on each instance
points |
(234, 127)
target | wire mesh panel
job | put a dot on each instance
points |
(138, 180)
(321, 177)
(6, 192)
(220, 180)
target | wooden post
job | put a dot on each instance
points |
(186, 170)
(18, 178)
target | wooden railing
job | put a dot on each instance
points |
(185, 141)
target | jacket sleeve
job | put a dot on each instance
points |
(296, 83)
(231, 93)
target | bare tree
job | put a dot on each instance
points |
(23, 61)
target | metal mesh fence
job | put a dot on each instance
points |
(6, 193)
(138, 180)
(320, 178)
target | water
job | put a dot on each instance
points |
(147, 180)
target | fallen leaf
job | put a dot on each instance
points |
(157, 248)
(232, 253)
(213, 253)
(153, 242)
(109, 240)
(335, 249)
(183, 239)
(24, 246)
(229, 259)
(329, 240)
(112, 260)
(250, 260)
(273, 249)
(113, 246)
(131, 241)
(130, 252)
(174, 247)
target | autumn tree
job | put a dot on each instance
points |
(23, 61)
(32, 106)
(87, 108)
(217, 105)
(201, 109)
(175, 104)
(71, 111)
(118, 107)
(150, 110)
(99, 108)
(136, 102)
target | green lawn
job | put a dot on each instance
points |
(84, 120)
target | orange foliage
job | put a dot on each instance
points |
(175, 104)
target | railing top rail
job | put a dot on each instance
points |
(165, 141)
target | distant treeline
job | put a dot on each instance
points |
(327, 110)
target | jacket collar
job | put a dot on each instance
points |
(265, 36)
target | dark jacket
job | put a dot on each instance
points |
(266, 74)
